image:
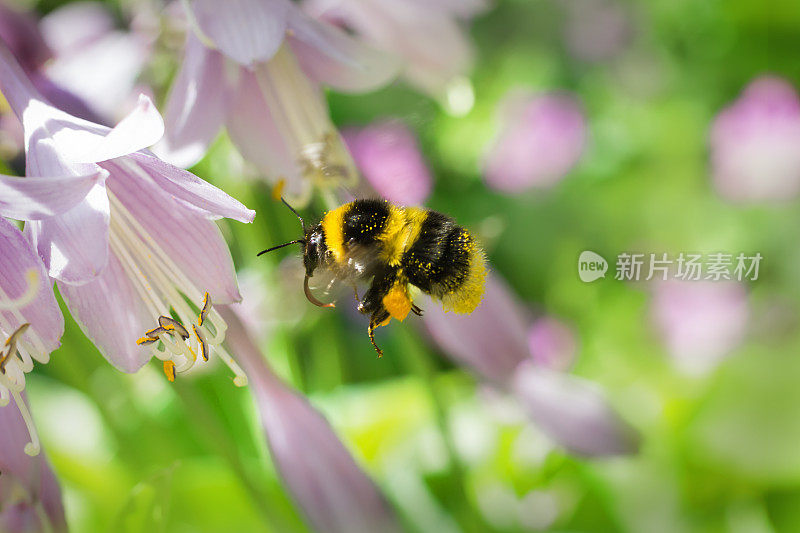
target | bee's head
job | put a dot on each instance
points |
(313, 242)
(314, 248)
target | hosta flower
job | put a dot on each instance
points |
(30, 498)
(388, 156)
(541, 139)
(427, 35)
(700, 322)
(333, 492)
(493, 343)
(143, 242)
(30, 320)
(92, 58)
(552, 343)
(254, 67)
(754, 155)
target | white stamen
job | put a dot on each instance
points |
(300, 113)
(164, 288)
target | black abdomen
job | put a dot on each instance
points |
(438, 261)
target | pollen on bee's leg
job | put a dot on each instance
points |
(169, 370)
(204, 310)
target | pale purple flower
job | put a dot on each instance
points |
(754, 144)
(31, 324)
(427, 35)
(700, 322)
(493, 343)
(320, 473)
(541, 139)
(30, 498)
(572, 411)
(255, 67)
(139, 244)
(91, 58)
(388, 156)
(552, 343)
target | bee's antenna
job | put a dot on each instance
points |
(301, 241)
(302, 222)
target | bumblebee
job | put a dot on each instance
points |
(391, 248)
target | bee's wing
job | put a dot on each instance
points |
(331, 282)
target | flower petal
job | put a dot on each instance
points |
(142, 127)
(196, 105)
(253, 131)
(32, 475)
(192, 191)
(112, 315)
(35, 198)
(193, 242)
(573, 412)
(17, 258)
(329, 55)
(335, 494)
(492, 340)
(15, 85)
(542, 139)
(247, 31)
(388, 155)
(74, 245)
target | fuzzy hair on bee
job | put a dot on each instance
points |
(393, 248)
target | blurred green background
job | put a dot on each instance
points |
(720, 452)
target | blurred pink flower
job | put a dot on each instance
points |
(541, 139)
(388, 156)
(754, 144)
(552, 344)
(426, 35)
(255, 67)
(92, 59)
(494, 343)
(597, 30)
(30, 498)
(700, 321)
(320, 473)
(141, 241)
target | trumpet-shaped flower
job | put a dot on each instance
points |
(388, 156)
(541, 139)
(92, 59)
(30, 498)
(754, 154)
(325, 481)
(700, 322)
(254, 67)
(426, 35)
(143, 241)
(493, 342)
(30, 320)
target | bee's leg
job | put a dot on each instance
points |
(416, 310)
(373, 298)
(378, 318)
